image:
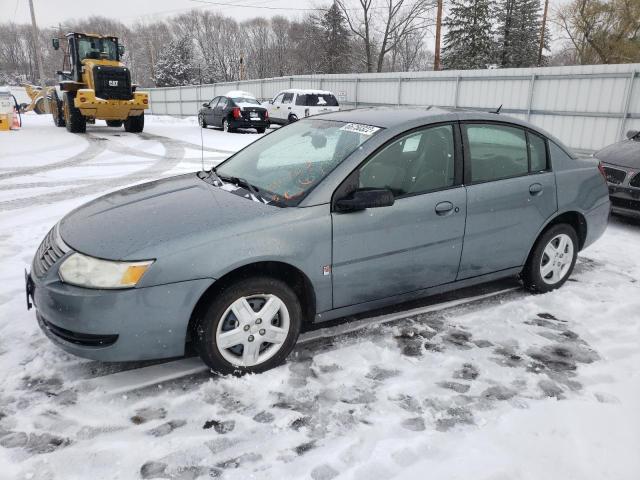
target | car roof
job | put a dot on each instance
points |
(306, 91)
(239, 94)
(391, 117)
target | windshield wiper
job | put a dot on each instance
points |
(241, 182)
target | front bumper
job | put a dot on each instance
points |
(92, 106)
(117, 325)
(625, 200)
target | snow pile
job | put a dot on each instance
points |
(519, 387)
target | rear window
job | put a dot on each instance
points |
(248, 100)
(317, 100)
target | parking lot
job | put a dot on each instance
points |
(522, 386)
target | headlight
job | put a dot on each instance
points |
(90, 272)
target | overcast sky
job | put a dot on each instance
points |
(52, 12)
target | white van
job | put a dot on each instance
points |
(294, 104)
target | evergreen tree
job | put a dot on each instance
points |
(519, 25)
(175, 64)
(468, 42)
(335, 41)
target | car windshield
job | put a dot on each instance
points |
(287, 164)
(97, 49)
(248, 100)
(317, 100)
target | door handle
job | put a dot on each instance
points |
(535, 188)
(444, 208)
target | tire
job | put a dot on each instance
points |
(114, 123)
(73, 119)
(552, 259)
(226, 127)
(201, 121)
(219, 318)
(292, 118)
(260, 130)
(134, 124)
(57, 110)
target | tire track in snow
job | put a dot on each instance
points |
(175, 153)
(95, 148)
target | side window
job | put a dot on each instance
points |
(223, 102)
(214, 102)
(278, 99)
(496, 151)
(418, 162)
(537, 153)
(288, 98)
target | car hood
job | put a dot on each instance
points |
(150, 217)
(624, 154)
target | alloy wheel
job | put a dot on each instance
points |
(557, 258)
(252, 330)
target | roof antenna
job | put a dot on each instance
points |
(497, 110)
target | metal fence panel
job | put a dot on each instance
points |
(587, 106)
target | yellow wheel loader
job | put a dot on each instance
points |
(93, 84)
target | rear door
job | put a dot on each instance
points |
(415, 243)
(220, 111)
(511, 192)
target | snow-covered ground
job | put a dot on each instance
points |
(512, 387)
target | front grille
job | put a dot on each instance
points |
(49, 252)
(635, 181)
(615, 175)
(112, 83)
(83, 339)
(627, 203)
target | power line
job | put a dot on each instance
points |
(263, 7)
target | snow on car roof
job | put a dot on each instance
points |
(239, 94)
(306, 91)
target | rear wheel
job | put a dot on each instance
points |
(57, 110)
(114, 123)
(260, 130)
(552, 259)
(73, 118)
(226, 127)
(250, 327)
(134, 124)
(293, 118)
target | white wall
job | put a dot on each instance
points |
(587, 107)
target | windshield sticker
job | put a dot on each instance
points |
(360, 128)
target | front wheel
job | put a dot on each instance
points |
(249, 327)
(552, 259)
(201, 121)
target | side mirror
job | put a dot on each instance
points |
(205, 104)
(271, 101)
(365, 198)
(632, 133)
(56, 43)
(120, 50)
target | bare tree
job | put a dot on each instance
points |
(383, 24)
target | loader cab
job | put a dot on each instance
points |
(81, 47)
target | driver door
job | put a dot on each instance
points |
(208, 112)
(417, 242)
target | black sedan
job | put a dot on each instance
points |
(235, 109)
(621, 162)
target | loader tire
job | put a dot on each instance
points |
(134, 124)
(73, 118)
(57, 110)
(114, 123)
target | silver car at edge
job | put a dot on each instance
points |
(327, 217)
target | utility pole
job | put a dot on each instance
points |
(544, 26)
(436, 59)
(34, 33)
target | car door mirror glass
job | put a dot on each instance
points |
(205, 104)
(365, 198)
(631, 134)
